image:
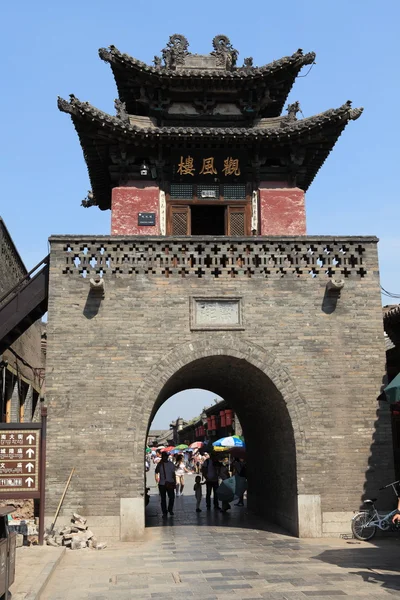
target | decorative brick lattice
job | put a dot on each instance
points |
(216, 258)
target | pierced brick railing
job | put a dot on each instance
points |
(222, 257)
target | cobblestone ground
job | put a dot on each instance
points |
(212, 556)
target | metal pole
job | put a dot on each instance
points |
(42, 474)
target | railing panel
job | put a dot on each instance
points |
(218, 257)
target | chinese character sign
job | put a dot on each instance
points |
(228, 166)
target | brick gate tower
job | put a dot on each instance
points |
(209, 280)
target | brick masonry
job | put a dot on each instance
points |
(303, 375)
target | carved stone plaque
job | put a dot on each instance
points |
(216, 313)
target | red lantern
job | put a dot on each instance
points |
(223, 418)
(228, 417)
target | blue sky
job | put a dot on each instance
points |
(50, 49)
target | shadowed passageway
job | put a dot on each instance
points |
(267, 428)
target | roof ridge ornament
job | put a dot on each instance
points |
(120, 107)
(292, 110)
(90, 200)
(175, 51)
(226, 54)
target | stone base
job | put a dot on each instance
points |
(335, 524)
(309, 509)
(132, 519)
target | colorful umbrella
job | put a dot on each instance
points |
(231, 487)
(237, 452)
(182, 447)
(232, 441)
(148, 449)
(169, 449)
(196, 445)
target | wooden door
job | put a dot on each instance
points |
(179, 220)
(237, 220)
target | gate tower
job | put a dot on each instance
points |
(209, 280)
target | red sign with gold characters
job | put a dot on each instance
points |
(19, 460)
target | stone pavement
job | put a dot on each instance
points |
(34, 566)
(213, 556)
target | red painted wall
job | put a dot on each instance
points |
(127, 202)
(282, 210)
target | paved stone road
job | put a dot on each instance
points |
(212, 556)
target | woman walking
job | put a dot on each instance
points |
(180, 471)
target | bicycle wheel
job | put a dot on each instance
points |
(360, 527)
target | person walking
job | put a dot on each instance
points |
(180, 471)
(239, 469)
(210, 472)
(198, 492)
(225, 474)
(165, 471)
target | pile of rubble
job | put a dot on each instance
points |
(75, 536)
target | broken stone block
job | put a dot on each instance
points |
(78, 545)
(65, 530)
(77, 517)
(58, 539)
(78, 525)
(19, 540)
(51, 542)
(94, 541)
(101, 545)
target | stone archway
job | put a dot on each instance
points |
(272, 413)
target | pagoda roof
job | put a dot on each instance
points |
(99, 131)
(277, 77)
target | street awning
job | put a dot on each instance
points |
(392, 391)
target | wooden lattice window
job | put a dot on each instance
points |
(237, 220)
(179, 220)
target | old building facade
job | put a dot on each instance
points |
(209, 280)
(22, 363)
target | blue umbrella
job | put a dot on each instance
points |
(232, 441)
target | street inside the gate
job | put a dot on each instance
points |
(212, 556)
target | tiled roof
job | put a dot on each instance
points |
(286, 128)
(113, 56)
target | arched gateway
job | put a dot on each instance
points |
(270, 410)
(208, 280)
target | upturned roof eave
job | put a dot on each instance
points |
(125, 62)
(85, 116)
(85, 112)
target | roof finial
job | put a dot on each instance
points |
(224, 51)
(120, 107)
(175, 51)
(293, 109)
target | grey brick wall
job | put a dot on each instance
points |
(303, 375)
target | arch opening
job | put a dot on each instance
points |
(267, 428)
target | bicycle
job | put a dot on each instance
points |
(366, 522)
